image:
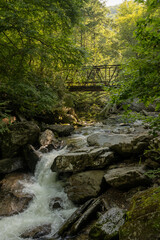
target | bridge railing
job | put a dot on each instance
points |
(92, 78)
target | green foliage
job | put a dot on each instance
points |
(153, 173)
(139, 77)
(89, 104)
(95, 33)
(34, 43)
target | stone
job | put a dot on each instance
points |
(61, 130)
(47, 137)
(108, 225)
(80, 160)
(85, 185)
(31, 157)
(143, 217)
(19, 135)
(123, 144)
(37, 232)
(49, 142)
(9, 165)
(56, 203)
(12, 197)
(127, 177)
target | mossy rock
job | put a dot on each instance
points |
(143, 217)
(108, 225)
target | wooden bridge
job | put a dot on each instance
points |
(93, 78)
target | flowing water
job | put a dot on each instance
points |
(45, 187)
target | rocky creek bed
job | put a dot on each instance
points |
(87, 183)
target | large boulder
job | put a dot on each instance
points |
(8, 165)
(123, 144)
(19, 134)
(143, 217)
(82, 159)
(126, 177)
(85, 185)
(61, 130)
(12, 197)
(108, 225)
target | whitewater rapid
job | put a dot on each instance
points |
(44, 187)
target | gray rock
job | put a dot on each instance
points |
(85, 185)
(61, 130)
(123, 144)
(9, 165)
(126, 177)
(108, 225)
(79, 161)
(20, 134)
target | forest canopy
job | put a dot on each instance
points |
(39, 39)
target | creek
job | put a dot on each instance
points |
(44, 187)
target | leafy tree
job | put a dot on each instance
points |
(140, 75)
(35, 42)
(94, 33)
(128, 14)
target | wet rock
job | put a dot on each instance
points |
(20, 134)
(107, 226)
(79, 161)
(12, 197)
(143, 217)
(10, 205)
(55, 203)
(61, 130)
(9, 165)
(85, 185)
(31, 157)
(37, 232)
(126, 177)
(123, 144)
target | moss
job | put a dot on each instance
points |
(143, 217)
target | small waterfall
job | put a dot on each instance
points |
(45, 187)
